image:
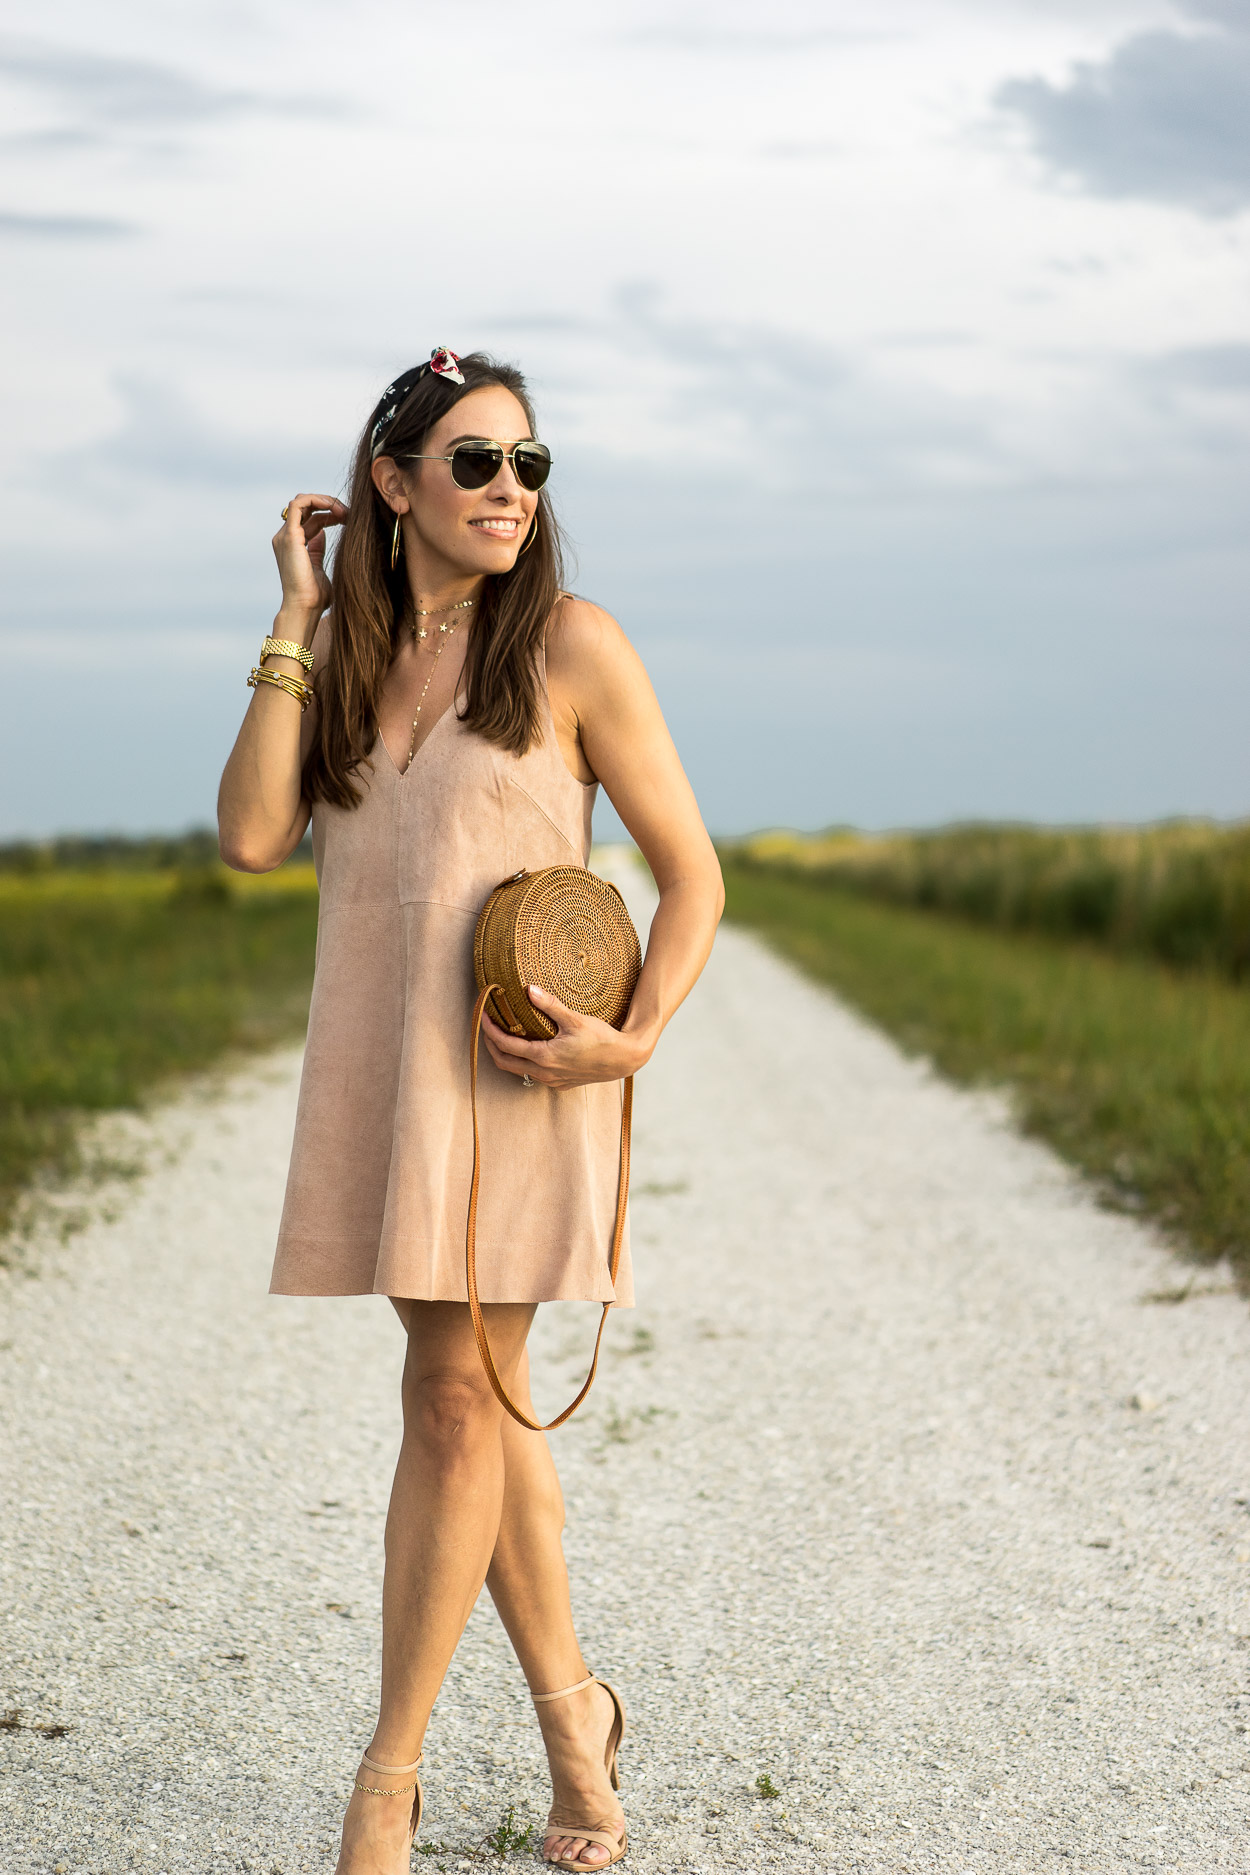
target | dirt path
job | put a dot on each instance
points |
(895, 1493)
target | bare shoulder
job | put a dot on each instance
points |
(586, 645)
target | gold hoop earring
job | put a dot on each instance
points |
(395, 546)
(530, 538)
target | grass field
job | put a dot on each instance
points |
(114, 977)
(1137, 1073)
(1178, 890)
(121, 965)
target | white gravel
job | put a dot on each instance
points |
(897, 1490)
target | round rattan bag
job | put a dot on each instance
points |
(564, 930)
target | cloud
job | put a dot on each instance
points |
(733, 39)
(755, 405)
(1231, 13)
(1201, 394)
(19, 227)
(753, 430)
(1165, 118)
(135, 93)
(1224, 369)
(161, 438)
(809, 150)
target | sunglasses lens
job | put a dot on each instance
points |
(473, 465)
(532, 463)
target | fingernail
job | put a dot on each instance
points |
(535, 991)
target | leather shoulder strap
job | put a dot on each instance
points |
(470, 1238)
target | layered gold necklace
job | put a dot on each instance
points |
(433, 611)
(420, 632)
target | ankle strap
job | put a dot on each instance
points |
(392, 1770)
(540, 1699)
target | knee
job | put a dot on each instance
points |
(449, 1416)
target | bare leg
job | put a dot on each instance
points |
(530, 1587)
(441, 1528)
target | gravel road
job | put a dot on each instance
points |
(901, 1496)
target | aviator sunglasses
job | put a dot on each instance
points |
(476, 464)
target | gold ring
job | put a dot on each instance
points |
(284, 511)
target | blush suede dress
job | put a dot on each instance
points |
(383, 1151)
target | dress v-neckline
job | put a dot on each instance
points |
(429, 736)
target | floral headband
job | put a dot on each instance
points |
(444, 363)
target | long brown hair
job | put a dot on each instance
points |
(370, 603)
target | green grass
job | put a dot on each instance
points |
(508, 1838)
(1137, 1073)
(1178, 891)
(111, 980)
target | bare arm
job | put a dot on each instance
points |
(602, 696)
(261, 811)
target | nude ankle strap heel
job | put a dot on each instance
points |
(560, 1824)
(370, 1766)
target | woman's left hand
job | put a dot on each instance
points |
(583, 1050)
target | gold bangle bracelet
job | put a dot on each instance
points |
(294, 694)
(280, 677)
(287, 677)
(286, 648)
(259, 678)
(281, 681)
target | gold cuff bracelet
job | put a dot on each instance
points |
(286, 648)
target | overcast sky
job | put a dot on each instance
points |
(894, 358)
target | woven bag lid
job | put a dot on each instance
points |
(567, 931)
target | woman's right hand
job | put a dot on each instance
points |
(299, 547)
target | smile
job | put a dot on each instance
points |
(505, 529)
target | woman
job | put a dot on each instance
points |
(463, 711)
